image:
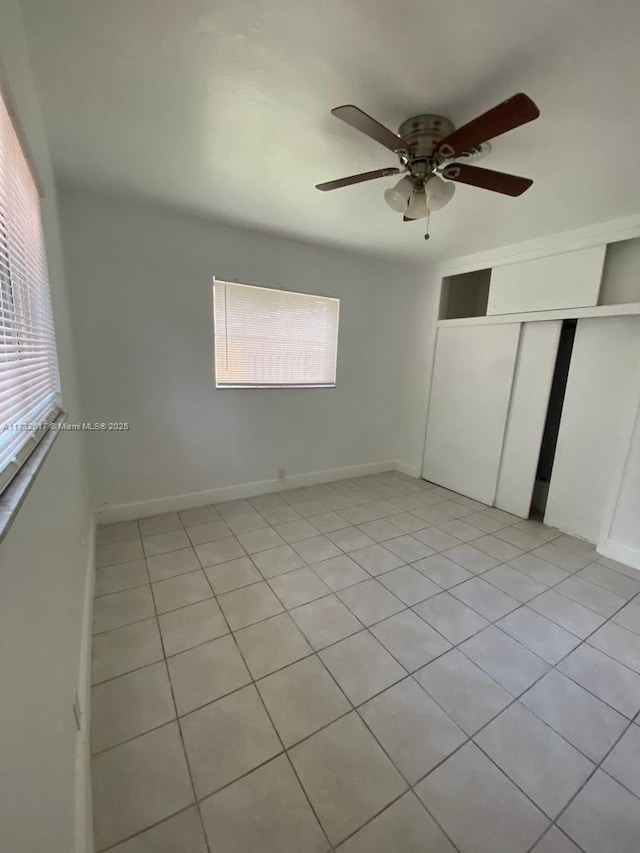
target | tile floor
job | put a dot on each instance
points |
(366, 666)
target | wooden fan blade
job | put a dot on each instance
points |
(487, 179)
(357, 179)
(508, 115)
(369, 126)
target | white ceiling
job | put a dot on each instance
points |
(221, 107)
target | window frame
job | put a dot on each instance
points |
(272, 385)
(19, 473)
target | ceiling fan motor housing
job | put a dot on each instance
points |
(424, 133)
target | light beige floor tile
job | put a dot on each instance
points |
(316, 549)
(413, 730)
(130, 705)
(410, 640)
(174, 563)
(190, 626)
(120, 531)
(569, 614)
(463, 690)
(555, 841)
(247, 523)
(485, 598)
(590, 595)
(611, 580)
(376, 559)
(220, 551)
(538, 569)
(266, 502)
(405, 827)
(272, 644)
(471, 559)
(502, 551)
(346, 775)
(443, 571)
(225, 577)
(436, 539)
(160, 523)
(298, 587)
(301, 699)
(340, 572)
(561, 557)
(276, 561)
(514, 583)
(325, 621)
(576, 714)
(539, 761)
(407, 522)
(629, 618)
(181, 591)
(357, 514)
(505, 660)
(622, 763)
(309, 508)
(121, 576)
(524, 541)
(380, 530)
(199, 515)
(210, 532)
(118, 552)
(265, 811)
(409, 585)
(162, 543)
(328, 522)
(250, 604)
(205, 673)
(604, 817)
(461, 530)
(370, 602)
(350, 539)
(139, 783)
(598, 673)
(361, 666)
(450, 617)
(122, 608)
(125, 649)
(260, 540)
(226, 739)
(618, 643)
(408, 549)
(496, 817)
(179, 834)
(545, 638)
(279, 515)
(296, 531)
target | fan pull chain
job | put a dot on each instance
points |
(426, 236)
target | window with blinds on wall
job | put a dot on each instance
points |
(266, 338)
(29, 381)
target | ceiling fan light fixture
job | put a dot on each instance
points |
(418, 207)
(439, 193)
(397, 197)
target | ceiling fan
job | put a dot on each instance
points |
(429, 146)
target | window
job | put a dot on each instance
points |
(29, 382)
(267, 338)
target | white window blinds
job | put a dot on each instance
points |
(266, 337)
(29, 384)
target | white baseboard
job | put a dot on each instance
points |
(175, 503)
(620, 553)
(409, 470)
(84, 813)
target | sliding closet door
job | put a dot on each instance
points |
(472, 378)
(527, 415)
(599, 405)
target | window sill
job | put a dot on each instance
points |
(15, 493)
